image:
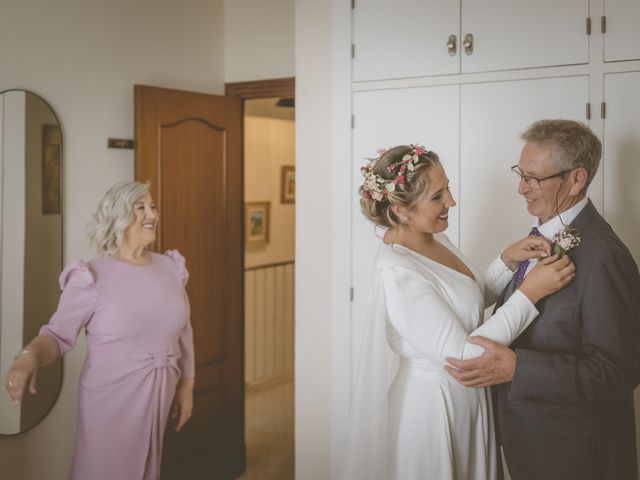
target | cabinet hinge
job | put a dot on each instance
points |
(603, 24)
(603, 110)
(353, 50)
(588, 112)
(351, 294)
(588, 25)
(353, 4)
(353, 121)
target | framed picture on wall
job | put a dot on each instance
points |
(51, 143)
(256, 223)
(288, 184)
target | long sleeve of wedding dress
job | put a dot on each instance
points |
(422, 316)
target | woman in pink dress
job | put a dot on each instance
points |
(139, 368)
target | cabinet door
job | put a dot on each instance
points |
(510, 34)
(621, 167)
(622, 40)
(404, 38)
(620, 157)
(492, 213)
(383, 119)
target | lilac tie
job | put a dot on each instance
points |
(522, 267)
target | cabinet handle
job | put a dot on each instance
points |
(468, 44)
(452, 45)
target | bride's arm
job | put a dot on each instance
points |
(501, 270)
(496, 277)
(427, 323)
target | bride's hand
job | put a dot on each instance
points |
(547, 277)
(525, 249)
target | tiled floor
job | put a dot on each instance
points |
(269, 433)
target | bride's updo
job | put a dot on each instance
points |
(397, 177)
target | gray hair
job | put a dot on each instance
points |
(574, 144)
(113, 215)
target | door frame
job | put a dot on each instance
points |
(275, 87)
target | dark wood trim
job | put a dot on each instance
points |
(276, 87)
(270, 265)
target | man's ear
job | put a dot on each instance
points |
(578, 179)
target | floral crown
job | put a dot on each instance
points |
(377, 187)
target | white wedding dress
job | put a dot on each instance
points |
(414, 421)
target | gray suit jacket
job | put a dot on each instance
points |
(568, 413)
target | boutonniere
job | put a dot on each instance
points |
(565, 240)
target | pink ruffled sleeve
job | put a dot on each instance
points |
(180, 262)
(186, 363)
(75, 308)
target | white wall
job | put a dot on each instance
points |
(315, 224)
(323, 233)
(12, 234)
(258, 39)
(84, 58)
(269, 144)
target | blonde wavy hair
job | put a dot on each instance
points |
(113, 215)
(380, 212)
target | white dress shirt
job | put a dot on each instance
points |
(550, 228)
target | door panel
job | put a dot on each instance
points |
(622, 40)
(512, 34)
(622, 169)
(404, 38)
(493, 116)
(384, 119)
(189, 146)
(620, 157)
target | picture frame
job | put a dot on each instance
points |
(288, 184)
(51, 152)
(256, 223)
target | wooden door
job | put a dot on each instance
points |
(189, 146)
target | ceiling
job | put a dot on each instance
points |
(266, 107)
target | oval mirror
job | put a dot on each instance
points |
(30, 243)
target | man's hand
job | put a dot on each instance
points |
(496, 365)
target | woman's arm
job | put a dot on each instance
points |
(40, 351)
(75, 309)
(182, 403)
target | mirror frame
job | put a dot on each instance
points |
(62, 207)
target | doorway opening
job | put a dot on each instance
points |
(269, 224)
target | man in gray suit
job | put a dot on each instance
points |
(565, 386)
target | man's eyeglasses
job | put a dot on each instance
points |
(535, 182)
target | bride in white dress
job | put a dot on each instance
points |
(410, 420)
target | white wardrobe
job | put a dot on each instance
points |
(465, 78)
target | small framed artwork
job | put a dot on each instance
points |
(256, 223)
(288, 184)
(51, 149)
